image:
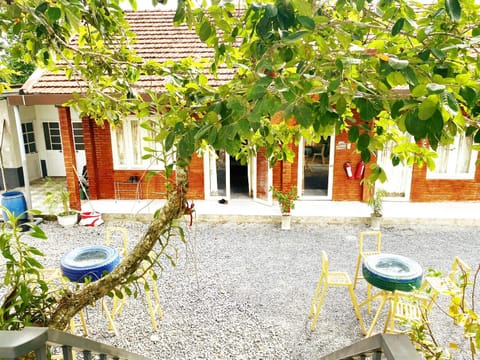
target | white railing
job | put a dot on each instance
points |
(15, 344)
(380, 346)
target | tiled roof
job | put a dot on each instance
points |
(157, 39)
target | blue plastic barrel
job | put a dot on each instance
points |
(15, 202)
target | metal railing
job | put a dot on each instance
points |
(380, 346)
(15, 344)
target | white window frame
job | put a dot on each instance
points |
(129, 143)
(450, 154)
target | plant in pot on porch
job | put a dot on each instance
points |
(376, 204)
(286, 200)
(58, 194)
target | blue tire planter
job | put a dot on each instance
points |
(89, 262)
(392, 272)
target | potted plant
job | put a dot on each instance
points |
(58, 194)
(376, 204)
(286, 200)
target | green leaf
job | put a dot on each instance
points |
(452, 102)
(366, 155)
(169, 141)
(397, 64)
(434, 88)
(414, 126)
(395, 160)
(368, 109)
(256, 92)
(271, 11)
(41, 8)
(306, 22)
(341, 105)
(476, 138)
(303, 114)
(54, 13)
(296, 35)
(334, 84)
(454, 10)
(205, 30)
(179, 15)
(353, 134)
(363, 142)
(427, 107)
(244, 126)
(397, 27)
(469, 95)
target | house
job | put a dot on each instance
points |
(60, 143)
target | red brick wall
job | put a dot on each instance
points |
(196, 179)
(345, 189)
(68, 148)
(285, 174)
(262, 174)
(424, 190)
(102, 176)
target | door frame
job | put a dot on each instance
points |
(407, 175)
(301, 160)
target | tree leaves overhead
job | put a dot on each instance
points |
(454, 10)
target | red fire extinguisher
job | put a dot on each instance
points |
(348, 170)
(359, 170)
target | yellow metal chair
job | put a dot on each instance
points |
(370, 243)
(460, 272)
(406, 307)
(55, 281)
(118, 235)
(327, 279)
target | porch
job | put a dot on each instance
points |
(306, 211)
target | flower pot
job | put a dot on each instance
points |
(68, 219)
(375, 222)
(286, 221)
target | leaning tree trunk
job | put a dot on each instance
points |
(72, 302)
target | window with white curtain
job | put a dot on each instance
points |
(456, 160)
(128, 143)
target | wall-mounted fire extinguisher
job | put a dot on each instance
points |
(360, 170)
(348, 169)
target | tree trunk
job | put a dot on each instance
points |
(71, 303)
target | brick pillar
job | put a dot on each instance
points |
(68, 146)
(88, 126)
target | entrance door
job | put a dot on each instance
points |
(79, 146)
(316, 169)
(227, 178)
(216, 164)
(399, 178)
(53, 146)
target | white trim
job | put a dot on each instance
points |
(331, 159)
(451, 173)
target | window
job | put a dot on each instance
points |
(456, 160)
(78, 136)
(128, 143)
(53, 140)
(29, 138)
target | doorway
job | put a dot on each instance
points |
(315, 169)
(399, 178)
(227, 178)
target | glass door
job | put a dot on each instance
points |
(316, 169)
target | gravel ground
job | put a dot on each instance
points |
(243, 291)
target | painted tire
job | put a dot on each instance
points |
(392, 272)
(89, 262)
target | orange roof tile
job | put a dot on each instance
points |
(157, 39)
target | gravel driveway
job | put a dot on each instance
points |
(243, 291)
